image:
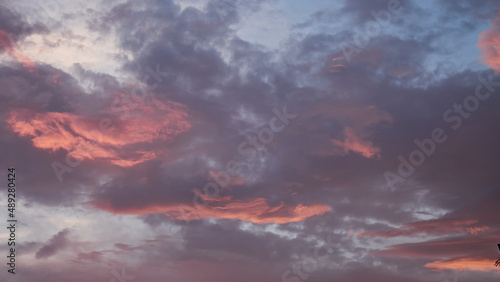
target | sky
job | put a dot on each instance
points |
(265, 140)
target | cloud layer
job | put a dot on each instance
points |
(214, 141)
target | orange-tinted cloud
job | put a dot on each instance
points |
(429, 227)
(256, 211)
(475, 230)
(354, 115)
(358, 121)
(353, 143)
(489, 43)
(82, 138)
(472, 264)
(335, 67)
(55, 79)
(8, 45)
(233, 180)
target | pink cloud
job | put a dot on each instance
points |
(7, 43)
(461, 264)
(489, 43)
(429, 227)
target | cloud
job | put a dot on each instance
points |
(57, 243)
(6, 42)
(430, 227)
(214, 90)
(353, 143)
(256, 211)
(489, 44)
(463, 264)
(83, 139)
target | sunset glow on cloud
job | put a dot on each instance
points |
(463, 264)
(353, 143)
(256, 211)
(489, 43)
(8, 46)
(431, 227)
(83, 138)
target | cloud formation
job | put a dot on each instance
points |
(489, 43)
(83, 138)
(256, 211)
(146, 103)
